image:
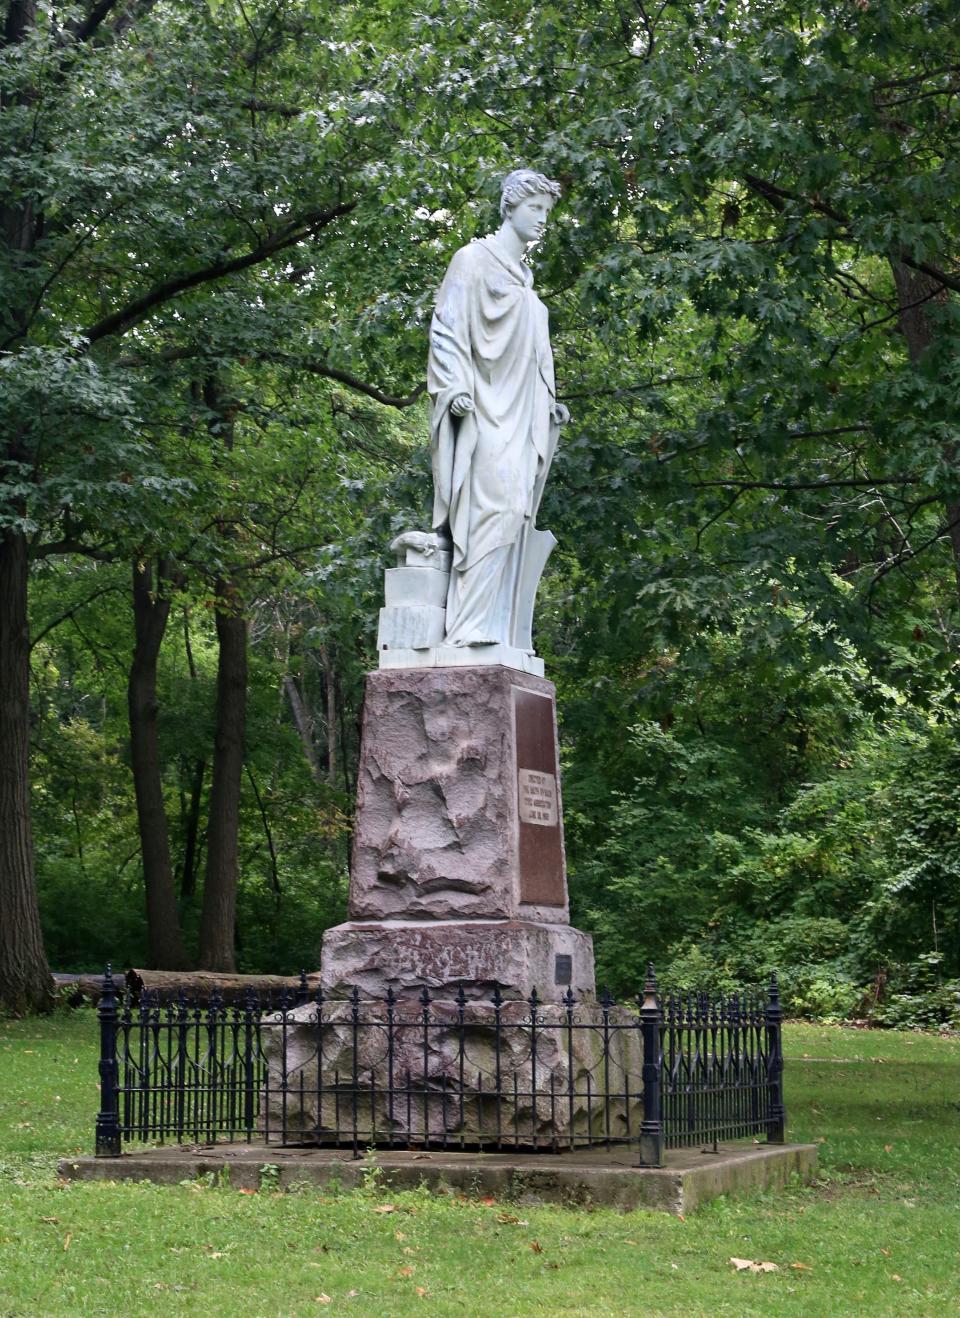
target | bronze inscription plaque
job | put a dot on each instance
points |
(542, 879)
(538, 797)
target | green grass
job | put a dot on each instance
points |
(879, 1234)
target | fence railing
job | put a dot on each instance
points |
(303, 1069)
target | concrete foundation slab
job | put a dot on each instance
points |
(604, 1177)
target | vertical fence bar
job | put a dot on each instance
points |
(461, 1055)
(606, 1002)
(354, 1074)
(249, 1079)
(651, 1128)
(569, 1002)
(108, 1118)
(391, 1045)
(532, 1002)
(498, 1076)
(777, 1127)
(425, 1001)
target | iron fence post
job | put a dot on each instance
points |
(651, 1128)
(776, 1131)
(108, 1118)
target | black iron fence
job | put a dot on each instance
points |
(456, 1073)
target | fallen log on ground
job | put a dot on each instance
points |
(197, 985)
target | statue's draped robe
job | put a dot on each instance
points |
(489, 339)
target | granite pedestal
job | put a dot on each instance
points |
(459, 876)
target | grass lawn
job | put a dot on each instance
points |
(879, 1234)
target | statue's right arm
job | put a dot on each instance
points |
(450, 366)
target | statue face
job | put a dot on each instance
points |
(528, 218)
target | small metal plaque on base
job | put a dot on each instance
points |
(542, 880)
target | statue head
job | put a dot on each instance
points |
(524, 183)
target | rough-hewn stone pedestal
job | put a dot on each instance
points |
(459, 877)
(474, 1074)
(458, 886)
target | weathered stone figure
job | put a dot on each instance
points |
(495, 422)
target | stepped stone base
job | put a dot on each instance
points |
(588, 1177)
(443, 955)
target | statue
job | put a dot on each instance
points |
(495, 423)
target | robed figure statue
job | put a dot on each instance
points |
(495, 422)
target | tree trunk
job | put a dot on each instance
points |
(218, 917)
(191, 822)
(25, 983)
(330, 693)
(303, 724)
(916, 293)
(188, 879)
(150, 613)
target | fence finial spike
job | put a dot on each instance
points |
(651, 982)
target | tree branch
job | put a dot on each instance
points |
(778, 197)
(37, 637)
(345, 377)
(297, 230)
(295, 363)
(72, 546)
(855, 482)
(85, 29)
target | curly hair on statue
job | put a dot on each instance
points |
(523, 183)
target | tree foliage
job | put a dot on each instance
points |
(224, 225)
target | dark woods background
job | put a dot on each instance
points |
(222, 226)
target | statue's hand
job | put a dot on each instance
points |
(462, 404)
(561, 414)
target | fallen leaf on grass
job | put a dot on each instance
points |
(885, 1253)
(66, 1240)
(398, 1235)
(352, 1295)
(888, 1148)
(801, 1267)
(52, 1220)
(511, 1219)
(405, 1272)
(629, 1242)
(487, 1199)
(323, 1298)
(895, 1276)
(536, 1246)
(421, 1291)
(385, 1208)
(248, 1191)
(748, 1265)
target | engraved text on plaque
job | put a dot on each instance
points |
(538, 797)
